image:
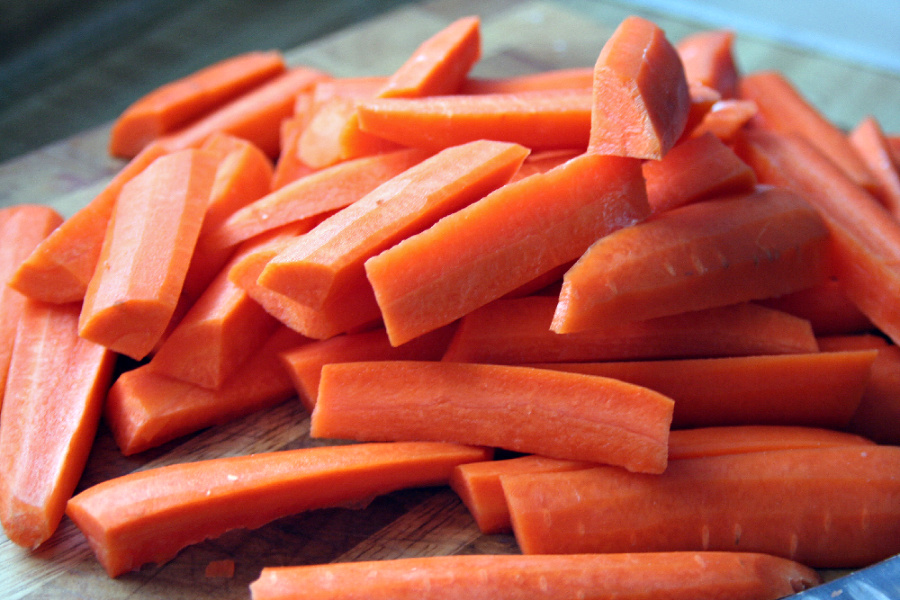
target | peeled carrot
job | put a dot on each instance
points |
(319, 264)
(716, 441)
(851, 341)
(176, 103)
(357, 88)
(194, 501)
(726, 118)
(702, 101)
(826, 306)
(708, 58)
(145, 256)
(577, 78)
(831, 507)
(561, 415)
(54, 394)
(675, 576)
(878, 414)
(871, 142)
(706, 254)
(503, 241)
(541, 162)
(640, 94)
(289, 167)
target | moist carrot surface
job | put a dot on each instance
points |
(870, 141)
(708, 58)
(716, 441)
(827, 308)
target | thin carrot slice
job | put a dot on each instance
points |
(706, 254)
(175, 104)
(314, 269)
(561, 415)
(517, 331)
(504, 241)
(871, 142)
(716, 441)
(823, 507)
(146, 253)
(54, 394)
(708, 58)
(826, 306)
(737, 575)
(576, 78)
(194, 501)
(726, 118)
(640, 94)
(878, 414)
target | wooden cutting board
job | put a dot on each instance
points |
(519, 37)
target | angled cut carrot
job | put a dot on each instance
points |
(541, 162)
(826, 306)
(737, 439)
(561, 415)
(178, 102)
(193, 501)
(879, 410)
(702, 100)
(677, 576)
(830, 507)
(640, 94)
(54, 394)
(726, 118)
(541, 120)
(504, 241)
(145, 409)
(819, 389)
(61, 266)
(578, 78)
(871, 142)
(516, 331)
(146, 253)
(696, 169)
(708, 58)
(315, 268)
(289, 167)
(706, 254)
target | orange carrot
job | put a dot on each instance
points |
(357, 88)
(176, 103)
(640, 94)
(820, 389)
(54, 393)
(878, 414)
(503, 241)
(826, 306)
(193, 501)
(708, 58)
(516, 331)
(870, 141)
(716, 441)
(540, 120)
(146, 253)
(61, 266)
(318, 265)
(702, 101)
(823, 507)
(706, 254)
(561, 415)
(725, 119)
(894, 143)
(675, 576)
(851, 341)
(698, 168)
(289, 167)
(575, 78)
(541, 162)
(145, 409)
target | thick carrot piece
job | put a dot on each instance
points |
(61, 266)
(737, 439)
(872, 144)
(54, 394)
(640, 94)
(674, 576)
(574, 78)
(706, 254)
(194, 501)
(504, 241)
(708, 58)
(865, 237)
(539, 411)
(314, 269)
(697, 168)
(836, 507)
(827, 308)
(543, 120)
(175, 104)
(878, 415)
(819, 389)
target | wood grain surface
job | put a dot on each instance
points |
(519, 37)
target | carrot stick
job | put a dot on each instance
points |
(22, 228)
(541, 162)
(708, 58)
(826, 306)
(851, 341)
(54, 393)
(702, 101)
(699, 168)
(676, 576)
(640, 94)
(503, 241)
(866, 238)
(61, 266)
(357, 88)
(289, 167)
(176, 103)
(879, 410)
(725, 119)
(145, 257)
(737, 439)
(703, 255)
(870, 141)
(540, 120)
(574, 78)
(823, 507)
(194, 501)
(820, 389)
(318, 265)
(146, 409)
(561, 415)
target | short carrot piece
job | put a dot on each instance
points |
(726, 118)
(872, 144)
(539, 411)
(708, 58)
(54, 395)
(878, 415)
(179, 102)
(641, 99)
(831, 507)
(674, 576)
(503, 241)
(737, 439)
(576, 78)
(122, 517)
